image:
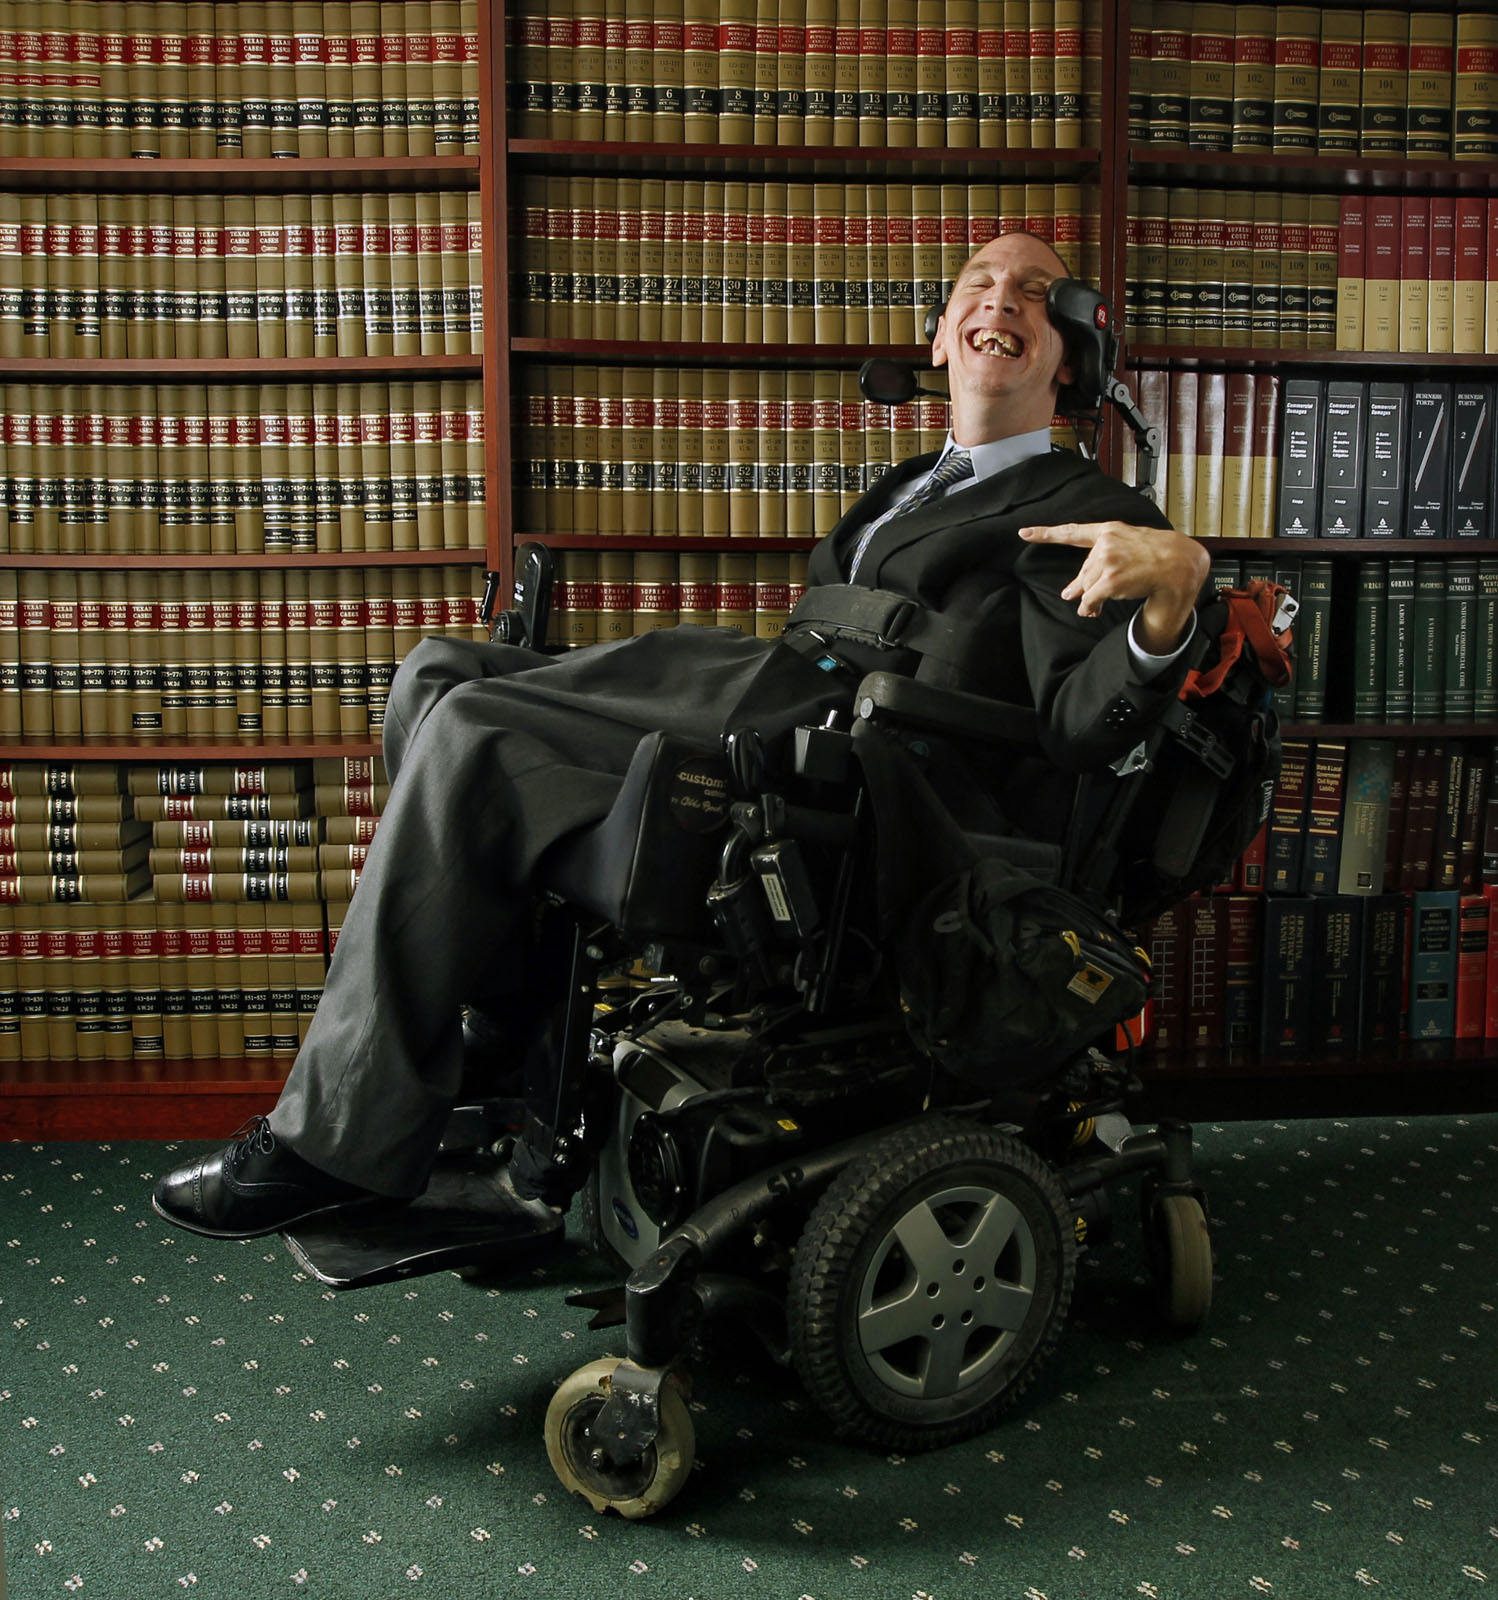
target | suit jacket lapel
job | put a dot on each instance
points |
(995, 497)
(844, 536)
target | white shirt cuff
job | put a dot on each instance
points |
(1146, 664)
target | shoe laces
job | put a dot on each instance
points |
(253, 1139)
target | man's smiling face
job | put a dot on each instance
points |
(1005, 356)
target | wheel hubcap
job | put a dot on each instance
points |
(948, 1289)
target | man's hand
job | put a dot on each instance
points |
(1163, 568)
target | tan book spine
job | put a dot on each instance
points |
(301, 469)
(228, 82)
(270, 637)
(581, 244)
(735, 596)
(801, 265)
(379, 647)
(826, 449)
(159, 285)
(195, 644)
(460, 326)
(374, 458)
(853, 446)
(1266, 283)
(335, 82)
(900, 249)
(115, 647)
(717, 436)
(953, 198)
(1474, 134)
(144, 87)
(59, 277)
(586, 465)
(900, 76)
(275, 471)
(638, 479)
(1428, 123)
(145, 657)
(284, 292)
(171, 654)
(46, 436)
(379, 301)
(193, 470)
(930, 74)
(420, 91)
(1321, 303)
(394, 108)
(241, 293)
(79, 104)
(653, 594)
(474, 488)
(1341, 71)
(169, 59)
(296, 632)
(961, 51)
(771, 455)
(404, 523)
(1266, 455)
(929, 283)
(800, 452)
(714, 248)
(829, 263)
(405, 283)
(649, 299)
(243, 604)
(280, 79)
(820, 72)
(533, 508)
(1470, 290)
(223, 683)
(1385, 82)
(609, 445)
(989, 37)
(1414, 273)
(766, 286)
(66, 675)
(114, 81)
(694, 261)
(256, 139)
(365, 65)
(351, 685)
(674, 263)
(1016, 74)
(348, 274)
(426, 440)
(430, 306)
(35, 291)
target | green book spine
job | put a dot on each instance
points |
(1399, 642)
(1429, 639)
(1458, 697)
(1485, 640)
(1368, 642)
(1313, 640)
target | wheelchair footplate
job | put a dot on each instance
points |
(461, 1220)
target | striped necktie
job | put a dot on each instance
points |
(954, 467)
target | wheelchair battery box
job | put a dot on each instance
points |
(782, 873)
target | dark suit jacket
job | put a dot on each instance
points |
(962, 557)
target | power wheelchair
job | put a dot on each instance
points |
(764, 1142)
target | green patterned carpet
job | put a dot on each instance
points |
(185, 1417)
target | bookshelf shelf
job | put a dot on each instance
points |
(1215, 357)
(757, 160)
(200, 1099)
(1387, 730)
(100, 561)
(651, 542)
(1304, 170)
(699, 354)
(254, 754)
(1355, 548)
(206, 175)
(62, 369)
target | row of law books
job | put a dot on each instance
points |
(1327, 80)
(888, 74)
(246, 656)
(240, 277)
(736, 262)
(1218, 471)
(1369, 816)
(1417, 273)
(159, 981)
(1231, 268)
(1382, 642)
(186, 469)
(1412, 459)
(255, 79)
(638, 451)
(1333, 976)
(287, 832)
(613, 594)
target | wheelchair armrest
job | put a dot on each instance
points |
(885, 697)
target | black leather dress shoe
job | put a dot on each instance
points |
(255, 1186)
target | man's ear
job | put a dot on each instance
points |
(938, 342)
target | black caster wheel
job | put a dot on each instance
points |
(930, 1284)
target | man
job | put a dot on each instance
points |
(496, 754)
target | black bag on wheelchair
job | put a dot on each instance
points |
(1004, 976)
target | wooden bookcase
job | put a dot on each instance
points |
(209, 1097)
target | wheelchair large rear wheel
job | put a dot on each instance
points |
(930, 1284)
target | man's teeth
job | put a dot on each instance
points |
(993, 342)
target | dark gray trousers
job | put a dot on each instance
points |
(494, 755)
